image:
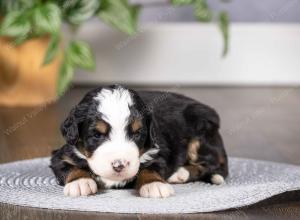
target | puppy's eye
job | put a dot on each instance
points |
(97, 134)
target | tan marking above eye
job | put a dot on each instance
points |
(102, 127)
(136, 125)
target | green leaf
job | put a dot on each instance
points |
(120, 14)
(15, 24)
(182, 2)
(224, 27)
(7, 6)
(65, 76)
(77, 11)
(47, 18)
(52, 49)
(202, 11)
(77, 54)
(80, 54)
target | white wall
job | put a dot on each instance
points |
(190, 54)
(239, 10)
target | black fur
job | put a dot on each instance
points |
(169, 120)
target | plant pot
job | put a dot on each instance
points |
(23, 79)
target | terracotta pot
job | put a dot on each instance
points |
(23, 79)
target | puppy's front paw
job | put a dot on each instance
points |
(156, 190)
(180, 176)
(80, 187)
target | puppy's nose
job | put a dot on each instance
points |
(119, 165)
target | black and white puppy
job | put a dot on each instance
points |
(117, 137)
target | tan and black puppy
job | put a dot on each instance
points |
(117, 137)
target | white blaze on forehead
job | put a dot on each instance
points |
(114, 105)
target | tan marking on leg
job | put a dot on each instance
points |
(195, 171)
(150, 184)
(77, 173)
(221, 159)
(193, 148)
(147, 176)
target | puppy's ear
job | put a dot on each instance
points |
(202, 118)
(153, 135)
(70, 127)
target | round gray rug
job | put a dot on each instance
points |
(31, 183)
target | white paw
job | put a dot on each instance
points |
(156, 190)
(180, 176)
(217, 179)
(80, 187)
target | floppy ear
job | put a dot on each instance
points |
(69, 128)
(154, 135)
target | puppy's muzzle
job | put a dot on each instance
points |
(119, 165)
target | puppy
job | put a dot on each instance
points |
(117, 137)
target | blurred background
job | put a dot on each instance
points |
(240, 11)
(240, 57)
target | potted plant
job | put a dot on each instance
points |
(37, 65)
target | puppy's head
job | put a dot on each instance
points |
(111, 125)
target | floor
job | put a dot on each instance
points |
(259, 123)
